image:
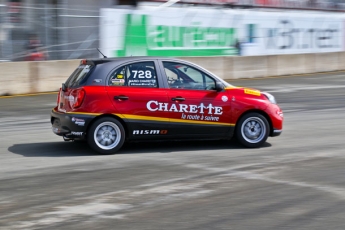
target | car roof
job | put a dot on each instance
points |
(96, 61)
(110, 62)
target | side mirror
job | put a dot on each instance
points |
(63, 88)
(219, 86)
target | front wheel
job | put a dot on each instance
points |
(252, 130)
(106, 135)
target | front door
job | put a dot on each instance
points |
(196, 108)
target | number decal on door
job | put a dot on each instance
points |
(141, 74)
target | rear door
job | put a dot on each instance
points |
(136, 91)
(196, 108)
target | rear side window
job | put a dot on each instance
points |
(140, 74)
(79, 76)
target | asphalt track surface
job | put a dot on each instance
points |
(296, 181)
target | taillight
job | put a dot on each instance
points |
(79, 95)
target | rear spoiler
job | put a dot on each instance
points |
(94, 62)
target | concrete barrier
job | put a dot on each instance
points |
(326, 62)
(249, 67)
(309, 61)
(272, 65)
(290, 64)
(15, 78)
(54, 73)
(213, 64)
(46, 76)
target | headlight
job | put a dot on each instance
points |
(270, 97)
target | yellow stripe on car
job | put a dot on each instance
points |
(163, 119)
(252, 92)
(151, 118)
(82, 113)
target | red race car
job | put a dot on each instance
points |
(109, 101)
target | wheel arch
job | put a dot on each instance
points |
(108, 115)
(263, 113)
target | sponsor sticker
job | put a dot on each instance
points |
(252, 92)
(118, 80)
(78, 121)
(119, 76)
(143, 82)
(184, 108)
(199, 112)
(224, 98)
(150, 132)
(77, 133)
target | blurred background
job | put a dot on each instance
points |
(295, 181)
(72, 29)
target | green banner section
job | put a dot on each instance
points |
(144, 39)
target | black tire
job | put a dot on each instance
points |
(252, 130)
(111, 135)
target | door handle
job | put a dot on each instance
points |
(178, 98)
(121, 97)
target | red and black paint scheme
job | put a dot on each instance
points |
(108, 101)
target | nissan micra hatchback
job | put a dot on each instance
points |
(109, 101)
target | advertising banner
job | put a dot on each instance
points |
(264, 33)
(155, 31)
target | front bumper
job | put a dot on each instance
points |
(72, 126)
(277, 118)
(276, 132)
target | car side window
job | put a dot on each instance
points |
(186, 77)
(139, 74)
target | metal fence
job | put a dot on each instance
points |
(62, 31)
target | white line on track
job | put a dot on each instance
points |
(289, 89)
(22, 123)
(335, 191)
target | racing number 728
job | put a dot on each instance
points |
(142, 74)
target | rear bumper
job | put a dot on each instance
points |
(73, 126)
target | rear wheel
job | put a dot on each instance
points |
(252, 130)
(106, 135)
